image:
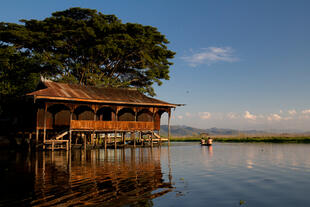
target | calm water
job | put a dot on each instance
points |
(184, 174)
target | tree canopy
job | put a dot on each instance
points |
(86, 47)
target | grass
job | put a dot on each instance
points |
(185, 139)
(272, 138)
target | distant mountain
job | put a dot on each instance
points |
(181, 131)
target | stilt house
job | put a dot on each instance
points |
(63, 109)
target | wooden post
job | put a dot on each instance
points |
(124, 138)
(37, 137)
(44, 131)
(85, 141)
(169, 117)
(92, 138)
(70, 138)
(67, 145)
(105, 140)
(52, 146)
(37, 128)
(93, 133)
(152, 138)
(29, 141)
(140, 137)
(70, 131)
(134, 138)
(114, 139)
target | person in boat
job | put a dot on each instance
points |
(202, 141)
(209, 141)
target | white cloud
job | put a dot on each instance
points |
(306, 111)
(292, 112)
(204, 115)
(276, 117)
(250, 116)
(232, 115)
(211, 55)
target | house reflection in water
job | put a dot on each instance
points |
(98, 177)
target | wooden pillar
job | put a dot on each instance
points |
(152, 138)
(92, 138)
(105, 140)
(70, 138)
(44, 130)
(29, 141)
(124, 137)
(169, 117)
(53, 146)
(70, 131)
(114, 139)
(37, 128)
(140, 136)
(134, 138)
(85, 141)
(37, 137)
(93, 132)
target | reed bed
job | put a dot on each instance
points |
(272, 138)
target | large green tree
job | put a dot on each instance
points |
(86, 47)
(19, 74)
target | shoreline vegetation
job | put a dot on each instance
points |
(273, 138)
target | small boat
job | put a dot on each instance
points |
(207, 142)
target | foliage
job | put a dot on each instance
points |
(19, 74)
(86, 47)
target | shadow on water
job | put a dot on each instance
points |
(119, 177)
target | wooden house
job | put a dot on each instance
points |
(69, 110)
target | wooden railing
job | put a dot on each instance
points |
(112, 125)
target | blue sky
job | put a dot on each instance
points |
(239, 64)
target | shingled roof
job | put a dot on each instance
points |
(72, 92)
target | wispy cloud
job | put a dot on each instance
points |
(276, 117)
(248, 115)
(232, 115)
(211, 55)
(204, 115)
(307, 111)
(292, 112)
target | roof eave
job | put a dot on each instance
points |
(103, 101)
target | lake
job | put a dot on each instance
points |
(184, 174)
